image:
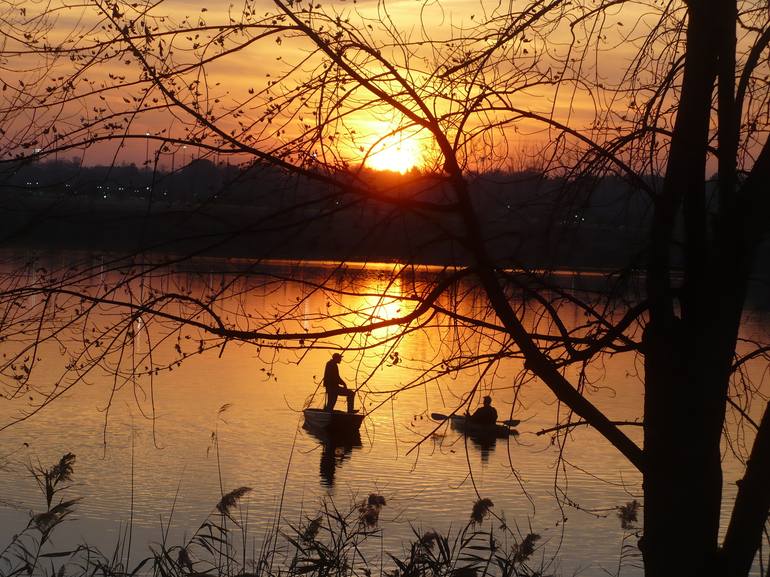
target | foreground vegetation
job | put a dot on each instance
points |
(330, 544)
(658, 95)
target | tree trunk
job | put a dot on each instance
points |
(683, 476)
(752, 505)
(685, 373)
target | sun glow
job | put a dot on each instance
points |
(396, 154)
(381, 301)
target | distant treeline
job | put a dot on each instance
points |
(259, 211)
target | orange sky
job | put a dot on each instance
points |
(236, 77)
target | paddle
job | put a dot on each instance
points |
(442, 417)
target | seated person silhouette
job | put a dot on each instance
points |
(335, 386)
(486, 414)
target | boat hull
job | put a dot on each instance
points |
(497, 431)
(333, 421)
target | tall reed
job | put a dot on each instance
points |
(331, 543)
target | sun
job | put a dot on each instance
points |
(395, 154)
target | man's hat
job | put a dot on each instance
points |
(337, 357)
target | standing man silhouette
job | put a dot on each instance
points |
(335, 386)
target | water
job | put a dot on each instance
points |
(229, 418)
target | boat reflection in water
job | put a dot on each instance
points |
(483, 437)
(485, 445)
(338, 433)
(336, 447)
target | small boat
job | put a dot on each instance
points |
(493, 430)
(336, 421)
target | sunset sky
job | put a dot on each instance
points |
(420, 39)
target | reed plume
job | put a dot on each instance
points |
(230, 500)
(481, 510)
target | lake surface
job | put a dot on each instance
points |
(250, 398)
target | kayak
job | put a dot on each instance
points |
(467, 426)
(332, 420)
